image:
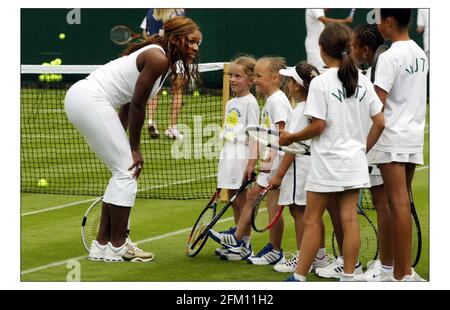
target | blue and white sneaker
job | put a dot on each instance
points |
(240, 252)
(267, 256)
(292, 278)
(225, 239)
(222, 250)
(335, 269)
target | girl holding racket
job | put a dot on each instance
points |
(292, 171)
(400, 83)
(126, 82)
(240, 112)
(366, 40)
(339, 101)
(274, 116)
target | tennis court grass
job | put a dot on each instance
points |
(51, 238)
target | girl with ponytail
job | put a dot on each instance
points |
(338, 103)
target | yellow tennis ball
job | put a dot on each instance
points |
(42, 77)
(196, 93)
(164, 92)
(57, 61)
(62, 36)
(42, 183)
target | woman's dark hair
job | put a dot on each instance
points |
(175, 43)
(306, 72)
(402, 16)
(336, 41)
(368, 35)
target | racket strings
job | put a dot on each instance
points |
(92, 224)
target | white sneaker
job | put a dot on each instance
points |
(96, 251)
(322, 262)
(374, 273)
(267, 256)
(237, 253)
(127, 252)
(173, 133)
(220, 251)
(413, 277)
(335, 269)
(287, 264)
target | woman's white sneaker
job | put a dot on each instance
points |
(96, 251)
(127, 252)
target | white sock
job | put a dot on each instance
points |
(347, 277)
(246, 240)
(298, 253)
(387, 268)
(321, 253)
(150, 122)
(299, 277)
(101, 246)
(114, 248)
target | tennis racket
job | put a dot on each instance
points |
(208, 218)
(122, 35)
(368, 231)
(91, 223)
(380, 50)
(262, 219)
(270, 137)
(416, 245)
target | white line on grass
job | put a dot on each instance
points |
(170, 234)
(92, 199)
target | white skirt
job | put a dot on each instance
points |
(320, 188)
(264, 177)
(375, 176)
(292, 189)
(380, 157)
(231, 173)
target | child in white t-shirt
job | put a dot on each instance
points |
(338, 103)
(240, 112)
(274, 116)
(291, 173)
(366, 40)
(400, 82)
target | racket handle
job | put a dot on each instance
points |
(352, 13)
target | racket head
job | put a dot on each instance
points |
(380, 50)
(368, 250)
(122, 35)
(264, 218)
(416, 243)
(197, 239)
(91, 223)
(270, 138)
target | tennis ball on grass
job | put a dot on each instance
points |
(164, 92)
(42, 183)
(62, 36)
(196, 93)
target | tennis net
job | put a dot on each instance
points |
(52, 148)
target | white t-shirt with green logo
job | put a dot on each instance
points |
(402, 72)
(338, 155)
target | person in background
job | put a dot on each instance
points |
(151, 25)
(316, 20)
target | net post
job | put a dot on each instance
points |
(225, 97)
